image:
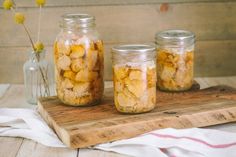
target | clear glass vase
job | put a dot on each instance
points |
(38, 77)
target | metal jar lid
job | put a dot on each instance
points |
(133, 48)
(132, 52)
(77, 20)
(175, 37)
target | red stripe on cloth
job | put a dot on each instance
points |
(195, 140)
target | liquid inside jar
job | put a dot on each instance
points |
(134, 78)
(79, 71)
(175, 60)
(174, 70)
(135, 87)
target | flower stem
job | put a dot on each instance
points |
(26, 30)
(14, 4)
(39, 22)
(45, 80)
(31, 41)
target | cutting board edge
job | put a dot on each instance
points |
(53, 125)
(178, 120)
(70, 142)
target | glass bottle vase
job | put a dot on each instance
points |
(38, 77)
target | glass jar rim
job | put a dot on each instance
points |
(81, 20)
(32, 54)
(175, 36)
(133, 53)
(133, 48)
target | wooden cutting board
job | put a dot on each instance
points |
(80, 127)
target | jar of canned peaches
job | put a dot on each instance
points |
(134, 78)
(175, 54)
(78, 56)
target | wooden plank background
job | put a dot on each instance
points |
(127, 21)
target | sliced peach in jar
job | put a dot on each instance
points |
(161, 55)
(125, 101)
(99, 45)
(136, 75)
(92, 57)
(81, 89)
(64, 62)
(92, 75)
(67, 83)
(136, 87)
(63, 48)
(119, 86)
(69, 74)
(77, 51)
(120, 72)
(77, 65)
(167, 73)
(151, 77)
(82, 76)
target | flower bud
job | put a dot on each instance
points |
(40, 2)
(39, 47)
(19, 18)
(7, 4)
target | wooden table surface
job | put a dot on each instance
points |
(19, 147)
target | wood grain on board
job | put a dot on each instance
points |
(80, 127)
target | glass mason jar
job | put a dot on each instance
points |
(38, 77)
(175, 54)
(78, 55)
(134, 78)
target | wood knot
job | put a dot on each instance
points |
(222, 89)
(170, 112)
(164, 7)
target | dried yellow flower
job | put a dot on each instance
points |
(39, 47)
(7, 4)
(40, 2)
(19, 18)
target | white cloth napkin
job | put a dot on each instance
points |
(27, 123)
(194, 142)
(169, 142)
